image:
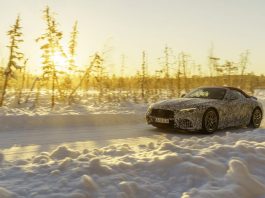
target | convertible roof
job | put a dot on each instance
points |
(240, 90)
(231, 88)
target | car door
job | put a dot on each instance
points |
(238, 108)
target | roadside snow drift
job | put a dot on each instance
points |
(210, 167)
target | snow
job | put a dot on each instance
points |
(230, 164)
(4, 193)
(1, 157)
(89, 183)
(88, 103)
(63, 152)
(73, 152)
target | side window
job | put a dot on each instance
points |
(235, 95)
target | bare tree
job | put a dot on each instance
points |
(166, 63)
(178, 76)
(97, 60)
(244, 60)
(143, 75)
(229, 68)
(184, 69)
(22, 81)
(121, 77)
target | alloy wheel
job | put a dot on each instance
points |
(257, 117)
(210, 121)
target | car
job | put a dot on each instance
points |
(207, 109)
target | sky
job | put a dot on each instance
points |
(130, 26)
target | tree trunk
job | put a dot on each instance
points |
(4, 89)
(53, 90)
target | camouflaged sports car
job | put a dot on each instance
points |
(207, 109)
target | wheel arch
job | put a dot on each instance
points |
(213, 108)
(251, 124)
(257, 107)
(209, 108)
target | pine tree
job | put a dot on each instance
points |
(15, 56)
(72, 68)
(51, 46)
(100, 74)
(72, 48)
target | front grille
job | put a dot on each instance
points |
(161, 113)
(185, 123)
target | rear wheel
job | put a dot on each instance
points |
(210, 121)
(256, 118)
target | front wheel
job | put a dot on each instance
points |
(210, 121)
(256, 118)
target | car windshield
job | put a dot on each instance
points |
(209, 93)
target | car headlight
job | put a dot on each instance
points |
(188, 109)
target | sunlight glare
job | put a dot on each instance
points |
(60, 62)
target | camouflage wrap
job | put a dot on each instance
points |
(189, 112)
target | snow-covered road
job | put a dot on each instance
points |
(22, 139)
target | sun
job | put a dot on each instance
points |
(61, 62)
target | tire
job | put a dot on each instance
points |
(210, 121)
(256, 118)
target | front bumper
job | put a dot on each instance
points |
(177, 123)
(179, 119)
(152, 120)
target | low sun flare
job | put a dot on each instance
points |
(61, 62)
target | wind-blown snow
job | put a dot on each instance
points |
(197, 167)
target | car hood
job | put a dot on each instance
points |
(180, 103)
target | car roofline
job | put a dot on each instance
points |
(230, 88)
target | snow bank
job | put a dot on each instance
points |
(197, 167)
(238, 182)
(239, 173)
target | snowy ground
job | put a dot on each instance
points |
(117, 155)
(85, 103)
